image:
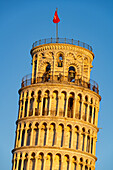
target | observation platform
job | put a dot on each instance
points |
(62, 41)
(78, 81)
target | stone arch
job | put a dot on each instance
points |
(49, 161)
(31, 104)
(36, 134)
(71, 73)
(25, 161)
(43, 134)
(60, 135)
(78, 106)
(88, 142)
(75, 65)
(40, 160)
(76, 137)
(62, 107)
(58, 161)
(60, 58)
(83, 138)
(32, 161)
(70, 110)
(20, 160)
(38, 103)
(46, 102)
(23, 136)
(44, 63)
(70, 54)
(66, 161)
(68, 136)
(29, 134)
(81, 164)
(74, 163)
(52, 134)
(54, 103)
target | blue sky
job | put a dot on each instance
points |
(23, 22)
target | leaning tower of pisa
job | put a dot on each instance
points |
(58, 109)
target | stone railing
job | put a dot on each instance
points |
(78, 81)
(62, 41)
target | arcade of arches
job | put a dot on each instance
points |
(58, 111)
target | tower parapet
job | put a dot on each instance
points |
(58, 109)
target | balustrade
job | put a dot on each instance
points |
(78, 81)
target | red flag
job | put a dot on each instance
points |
(56, 18)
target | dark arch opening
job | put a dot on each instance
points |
(71, 74)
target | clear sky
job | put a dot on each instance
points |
(24, 21)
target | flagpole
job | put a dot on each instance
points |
(56, 32)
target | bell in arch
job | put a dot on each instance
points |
(72, 74)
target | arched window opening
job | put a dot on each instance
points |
(31, 104)
(58, 162)
(46, 103)
(37, 109)
(18, 138)
(28, 135)
(25, 162)
(74, 163)
(91, 100)
(52, 134)
(88, 144)
(35, 135)
(15, 163)
(20, 162)
(35, 69)
(83, 138)
(81, 163)
(54, 103)
(69, 135)
(60, 60)
(26, 105)
(86, 167)
(49, 161)
(21, 105)
(32, 161)
(70, 105)
(40, 162)
(81, 167)
(44, 134)
(86, 107)
(90, 113)
(86, 161)
(66, 160)
(94, 116)
(71, 74)
(62, 108)
(60, 135)
(76, 137)
(46, 76)
(19, 110)
(78, 106)
(48, 67)
(23, 136)
(91, 145)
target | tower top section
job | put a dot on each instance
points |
(62, 41)
(59, 61)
